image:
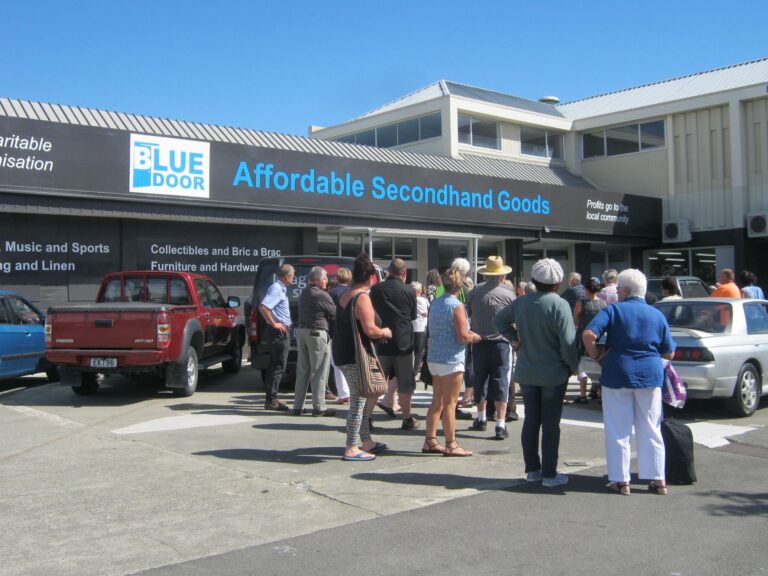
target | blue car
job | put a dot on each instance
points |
(22, 338)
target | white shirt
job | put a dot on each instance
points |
(422, 311)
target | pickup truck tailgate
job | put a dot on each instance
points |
(104, 326)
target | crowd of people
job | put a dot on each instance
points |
(484, 339)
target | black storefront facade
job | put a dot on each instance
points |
(84, 195)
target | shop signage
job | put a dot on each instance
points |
(38, 156)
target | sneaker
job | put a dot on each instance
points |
(276, 405)
(534, 476)
(326, 412)
(410, 423)
(511, 416)
(558, 480)
(479, 426)
(501, 433)
(461, 415)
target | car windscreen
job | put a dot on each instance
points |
(713, 317)
(693, 288)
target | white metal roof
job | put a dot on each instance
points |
(699, 84)
(467, 164)
(447, 87)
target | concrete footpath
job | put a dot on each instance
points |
(134, 479)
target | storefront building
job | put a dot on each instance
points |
(449, 171)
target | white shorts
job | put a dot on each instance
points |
(440, 369)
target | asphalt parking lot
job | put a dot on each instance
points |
(133, 478)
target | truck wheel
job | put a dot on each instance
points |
(89, 384)
(233, 366)
(746, 393)
(188, 375)
(52, 373)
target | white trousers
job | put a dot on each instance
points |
(623, 408)
(342, 388)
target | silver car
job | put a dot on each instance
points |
(722, 349)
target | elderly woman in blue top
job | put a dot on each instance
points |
(632, 376)
(449, 335)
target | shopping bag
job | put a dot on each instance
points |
(673, 392)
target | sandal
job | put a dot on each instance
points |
(432, 446)
(456, 450)
(657, 488)
(621, 488)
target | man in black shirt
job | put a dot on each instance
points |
(395, 303)
(316, 309)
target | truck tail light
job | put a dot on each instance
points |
(254, 323)
(163, 329)
(48, 332)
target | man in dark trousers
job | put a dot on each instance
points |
(395, 303)
(277, 315)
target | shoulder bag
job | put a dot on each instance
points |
(372, 381)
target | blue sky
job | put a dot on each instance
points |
(284, 65)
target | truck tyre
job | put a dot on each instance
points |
(188, 375)
(52, 373)
(233, 366)
(89, 384)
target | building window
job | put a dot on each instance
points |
(623, 139)
(405, 132)
(543, 143)
(478, 132)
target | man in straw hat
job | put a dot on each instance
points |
(492, 354)
(543, 325)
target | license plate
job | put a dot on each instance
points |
(103, 362)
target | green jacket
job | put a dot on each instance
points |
(543, 324)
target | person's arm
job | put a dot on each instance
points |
(567, 333)
(504, 321)
(592, 334)
(576, 312)
(364, 312)
(270, 319)
(590, 344)
(328, 306)
(461, 325)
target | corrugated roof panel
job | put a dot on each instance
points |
(69, 114)
(50, 115)
(92, 118)
(18, 108)
(699, 84)
(39, 111)
(163, 126)
(79, 115)
(502, 99)
(180, 128)
(111, 120)
(194, 130)
(155, 125)
(132, 122)
(59, 112)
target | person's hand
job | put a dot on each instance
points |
(281, 327)
(386, 334)
(515, 345)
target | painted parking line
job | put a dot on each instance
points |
(184, 422)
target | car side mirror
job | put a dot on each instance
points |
(233, 302)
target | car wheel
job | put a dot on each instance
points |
(89, 384)
(189, 375)
(52, 373)
(233, 366)
(746, 393)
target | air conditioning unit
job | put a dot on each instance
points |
(676, 231)
(757, 224)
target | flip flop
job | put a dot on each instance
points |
(360, 457)
(378, 447)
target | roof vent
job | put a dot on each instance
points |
(549, 100)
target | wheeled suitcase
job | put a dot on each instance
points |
(678, 444)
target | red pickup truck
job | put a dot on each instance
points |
(166, 324)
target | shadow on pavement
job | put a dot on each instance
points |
(740, 504)
(301, 456)
(448, 481)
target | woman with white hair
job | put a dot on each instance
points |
(632, 377)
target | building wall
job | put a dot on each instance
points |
(643, 173)
(701, 189)
(756, 132)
